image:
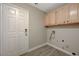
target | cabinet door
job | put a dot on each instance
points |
(59, 16)
(65, 14)
(73, 10)
(47, 20)
(52, 18)
(78, 13)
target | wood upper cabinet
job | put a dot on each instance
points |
(73, 12)
(62, 15)
(67, 14)
(78, 13)
(59, 19)
(52, 18)
(47, 20)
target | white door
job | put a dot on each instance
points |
(22, 31)
(9, 41)
(14, 24)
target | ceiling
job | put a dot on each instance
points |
(46, 6)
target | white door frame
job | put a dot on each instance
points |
(27, 22)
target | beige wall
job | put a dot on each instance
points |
(37, 30)
(70, 35)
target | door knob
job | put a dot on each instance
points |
(25, 32)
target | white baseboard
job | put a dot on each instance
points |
(51, 46)
(37, 47)
(60, 49)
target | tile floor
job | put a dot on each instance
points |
(45, 51)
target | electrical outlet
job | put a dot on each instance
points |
(62, 40)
